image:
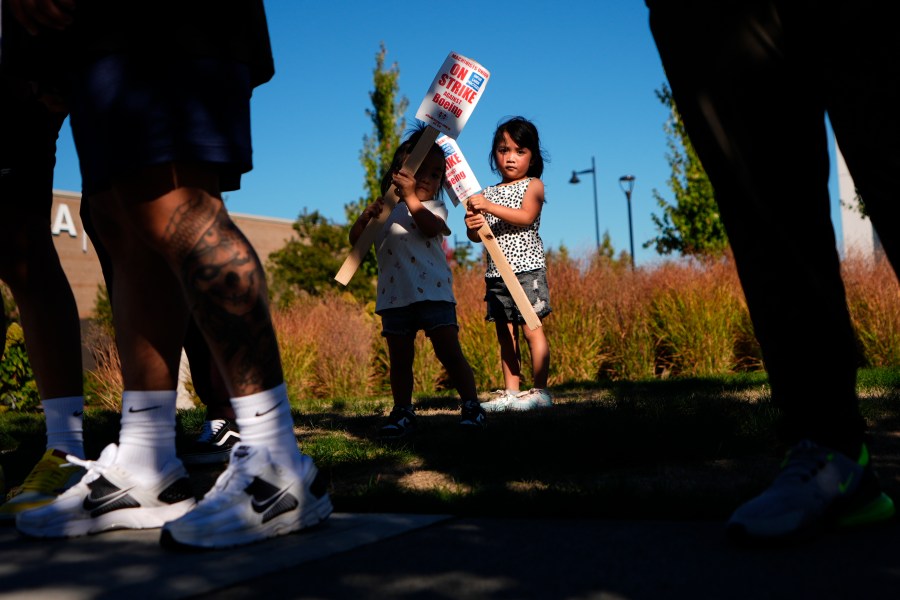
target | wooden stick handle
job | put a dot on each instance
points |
(367, 237)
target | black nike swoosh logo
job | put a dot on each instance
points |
(265, 412)
(263, 506)
(77, 413)
(92, 503)
(134, 410)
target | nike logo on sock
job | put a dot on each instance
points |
(265, 412)
(137, 410)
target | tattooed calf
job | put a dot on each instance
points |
(226, 288)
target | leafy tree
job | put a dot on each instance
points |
(690, 226)
(856, 205)
(606, 253)
(606, 250)
(308, 263)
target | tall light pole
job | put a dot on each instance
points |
(626, 182)
(593, 172)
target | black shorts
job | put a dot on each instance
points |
(426, 316)
(28, 133)
(132, 112)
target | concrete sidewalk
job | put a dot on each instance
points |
(422, 556)
(132, 564)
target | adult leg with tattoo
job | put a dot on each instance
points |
(180, 216)
(219, 433)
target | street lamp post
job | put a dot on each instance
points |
(593, 172)
(626, 182)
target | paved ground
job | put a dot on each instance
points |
(421, 556)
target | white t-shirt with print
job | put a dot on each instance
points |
(411, 267)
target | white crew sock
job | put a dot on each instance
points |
(147, 438)
(264, 419)
(65, 424)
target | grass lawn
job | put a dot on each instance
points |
(678, 449)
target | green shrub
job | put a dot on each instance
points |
(18, 389)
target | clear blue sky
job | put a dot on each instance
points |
(584, 71)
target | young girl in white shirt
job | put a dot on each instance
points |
(415, 286)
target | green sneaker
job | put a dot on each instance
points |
(47, 480)
(816, 487)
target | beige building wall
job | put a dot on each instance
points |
(79, 259)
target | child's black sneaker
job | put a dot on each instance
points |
(214, 443)
(400, 423)
(472, 415)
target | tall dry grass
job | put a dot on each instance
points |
(326, 344)
(103, 383)
(696, 310)
(576, 352)
(676, 318)
(873, 296)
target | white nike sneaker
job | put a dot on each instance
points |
(253, 499)
(108, 497)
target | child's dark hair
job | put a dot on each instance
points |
(400, 156)
(525, 134)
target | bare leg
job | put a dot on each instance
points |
(149, 313)
(445, 341)
(401, 350)
(31, 269)
(179, 215)
(540, 355)
(510, 354)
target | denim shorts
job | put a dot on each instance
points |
(501, 307)
(130, 112)
(426, 316)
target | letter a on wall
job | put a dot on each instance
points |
(63, 222)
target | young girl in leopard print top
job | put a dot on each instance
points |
(512, 209)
